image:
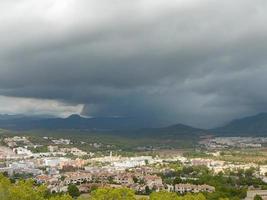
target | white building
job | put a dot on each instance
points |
(54, 162)
(22, 151)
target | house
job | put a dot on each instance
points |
(52, 148)
(124, 179)
(77, 178)
(154, 182)
(184, 188)
(252, 193)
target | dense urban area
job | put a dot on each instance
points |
(217, 168)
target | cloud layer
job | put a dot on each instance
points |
(200, 62)
(37, 107)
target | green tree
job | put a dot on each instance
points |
(113, 194)
(163, 195)
(26, 190)
(64, 197)
(147, 190)
(257, 197)
(73, 190)
(4, 187)
(135, 179)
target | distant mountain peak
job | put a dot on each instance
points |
(179, 125)
(74, 116)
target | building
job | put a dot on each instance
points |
(22, 151)
(252, 193)
(54, 162)
(52, 148)
(185, 188)
(77, 178)
(124, 179)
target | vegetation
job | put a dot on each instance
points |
(109, 140)
(244, 156)
(116, 194)
(73, 190)
(174, 196)
(26, 190)
(231, 184)
(41, 149)
(257, 197)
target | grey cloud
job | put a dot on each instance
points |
(196, 62)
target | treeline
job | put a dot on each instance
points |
(26, 190)
(29, 190)
(127, 194)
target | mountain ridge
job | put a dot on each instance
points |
(109, 125)
(255, 125)
(249, 125)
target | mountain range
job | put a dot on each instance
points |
(252, 125)
(247, 126)
(20, 122)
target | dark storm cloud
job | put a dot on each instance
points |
(192, 61)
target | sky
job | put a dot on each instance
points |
(198, 62)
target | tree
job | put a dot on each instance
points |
(64, 197)
(73, 190)
(135, 180)
(163, 195)
(147, 190)
(111, 179)
(200, 197)
(257, 197)
(249, 172)
(5, 184)
(173, 196)
(116, 194)
(177, 180)
(62, 178)
(26, 190)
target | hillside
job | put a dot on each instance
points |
(111, 130)
(175, 131)
(20, 122)
(248, 126)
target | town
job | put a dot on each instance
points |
(133, 100)
(60, 165)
